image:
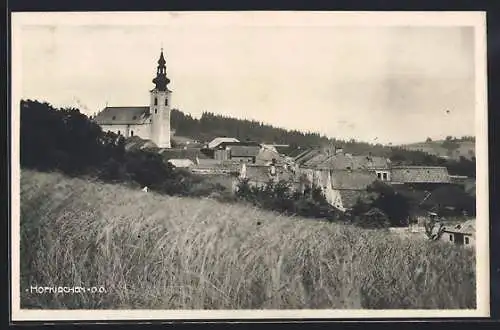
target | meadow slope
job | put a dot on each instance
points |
(160, 252)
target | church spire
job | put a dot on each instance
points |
(161, 81)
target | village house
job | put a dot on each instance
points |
(261, 175)
(150, 122)
(218, 140)
(246, 152)
(461, 234)
(420, 177)
(341, 188)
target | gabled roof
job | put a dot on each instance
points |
(266, 155)
(351, 180)
(307, 155)
(468, 227)
(261, 173)
(227, 144)
(420, 174)
(317, 159)
(344, 161)
(218, 140)
(122, 116)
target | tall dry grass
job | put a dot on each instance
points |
(152, 251)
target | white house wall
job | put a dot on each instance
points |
(143, 131)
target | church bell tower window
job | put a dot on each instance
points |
(166, 101)
(156, 101)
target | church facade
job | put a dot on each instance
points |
(147, 122)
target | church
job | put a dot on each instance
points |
(147, 122)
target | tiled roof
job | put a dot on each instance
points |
(317, 159)
(346, 161)
(215, 142)
(307, 155)
(259, 173)
(420, 174)
(468, 227)
(122, 116)
(291, 152)
(267, 155)
(226, 144)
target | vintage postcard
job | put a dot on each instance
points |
(241, 165)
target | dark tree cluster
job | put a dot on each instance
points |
(280, 197)
(211, 125)
(65, 140)
(384, 198)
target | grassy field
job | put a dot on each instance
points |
(466, 149)
(160, 252)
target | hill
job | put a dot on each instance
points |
(151, 251)
(450, 149)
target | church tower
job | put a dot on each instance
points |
(160, 106)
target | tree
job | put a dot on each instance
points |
(433, 229)
(428, 139)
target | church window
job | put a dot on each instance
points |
(156, 110)
(385, 176)
(131, 133)
(156, 101)
(166, 101)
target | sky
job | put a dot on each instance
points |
(373, 82)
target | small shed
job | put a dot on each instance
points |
(461, 234)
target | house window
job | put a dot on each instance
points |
(114, 117)
(451, 238)
(466, 240)
(156, 110)
(379, 175)
(385, 176)
(118, 132)
(166, 101)
(134, 118)
(156, 101)
(131, 133)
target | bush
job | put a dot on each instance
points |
(66, 140)
(279, 196)
(395, 206)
